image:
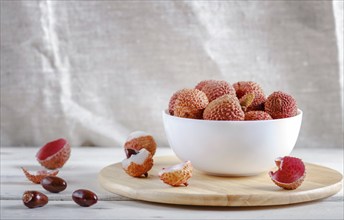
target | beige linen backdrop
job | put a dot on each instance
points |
(93, 71)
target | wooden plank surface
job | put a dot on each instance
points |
(81, 172)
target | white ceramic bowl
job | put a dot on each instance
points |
(232, 148)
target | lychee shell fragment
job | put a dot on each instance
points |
(54, 154)
(39, 176)
(138, 140)
(177, 175)
(290, 174)
(138, 164)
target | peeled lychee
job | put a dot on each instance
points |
(190, 103)
(257, 115)
(281, 105)
(201, 84)
(54, 154)
(216, 88)
(290, 174)
(227, 107)
(243, 88)
(138, 164)
(177, 175)
(138, 140)
(41, 174)
(173, 101)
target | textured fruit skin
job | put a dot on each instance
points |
(190, 103)
(257, 115)
(290, 174)
(137, 170)
(215, 89)
(280, 105)
(41, 175)
(243, 88)
(177, 177)
(173, 101)
(34, 199)
(56, 160)
(138, 143)
(227, 107)
(201, 84)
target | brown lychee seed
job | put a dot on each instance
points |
(216, 88)
(243, 88)
(280, 105)
(41, 174)
(257, 115)
(190, 103)
(227, 108)
(54, 154)
(34, 199)
(138, 140)
(246, 101)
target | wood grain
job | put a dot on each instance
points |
(205, 190)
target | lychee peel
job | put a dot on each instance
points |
(41, 174)
(243, 88)
(281, 105)
(201, 84)
(54, 154)
(215, 89)
(190, 103)
(290, 174)
(138, 140)
(177, 175)
(138, 164)
(227, 107)
(257, 115)
(173, 101)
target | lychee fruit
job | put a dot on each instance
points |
(201, 84)
(54, 154)
(216, 88)
(290, 174)
(138, 140)
(257, 115)
(190, 103)
(227, 107)
(177, 175)
(138, 164)
(173, 101)
(243, 88)
(281, 105)
(41, 174)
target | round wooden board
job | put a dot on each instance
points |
(205, 190)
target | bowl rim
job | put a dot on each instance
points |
(167, 114)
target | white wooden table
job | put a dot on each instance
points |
(81, 172)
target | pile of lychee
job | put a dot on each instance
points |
(220, 100)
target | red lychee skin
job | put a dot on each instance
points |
(290, 174)
(215, 89)
(190, 103)
(226, 108)
(257, 115)
(137, 170)
(243, 88)
(280, 105)
(173, 101)
(138, 143)
(58, 159)
(39, 176)
(201, 84)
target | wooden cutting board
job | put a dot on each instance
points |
(206, 190)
